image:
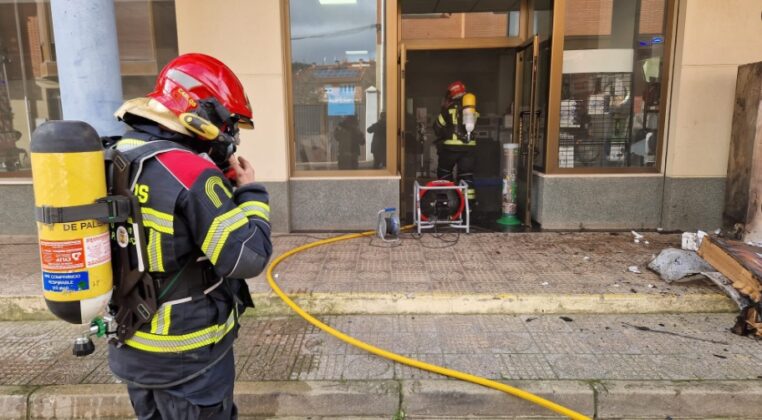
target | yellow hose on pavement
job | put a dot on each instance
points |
(396, 357)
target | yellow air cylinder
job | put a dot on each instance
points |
(68, 170)
(469, 100)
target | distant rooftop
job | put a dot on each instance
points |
(336, 73)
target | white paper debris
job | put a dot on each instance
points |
(586, 258)
(633, 269)
(651, 286)
(636, 235)
(692, 241)
(545, 283)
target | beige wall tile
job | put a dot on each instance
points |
(702, 122)
(722, 31)
(266, 146)
(245, 34)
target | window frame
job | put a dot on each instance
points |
(554, 99)
(391, 42)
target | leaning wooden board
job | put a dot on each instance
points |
(739, 262)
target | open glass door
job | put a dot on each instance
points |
(526, 123)
(406, 186)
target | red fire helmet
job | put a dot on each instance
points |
(456, 89)
(192, 77)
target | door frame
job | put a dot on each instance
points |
(531, 46)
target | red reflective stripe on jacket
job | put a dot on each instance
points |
(185, 166)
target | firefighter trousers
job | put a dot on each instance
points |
(157, 404)
(465, 159)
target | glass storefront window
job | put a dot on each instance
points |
(337, 75)
(612, 67)
(29, 91)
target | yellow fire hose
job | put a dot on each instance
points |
(396, 357)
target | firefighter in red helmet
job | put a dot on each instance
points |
(208, 229)
(454, 147)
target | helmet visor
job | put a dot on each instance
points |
(243, 122)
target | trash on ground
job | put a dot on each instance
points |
(636, 235)
(586, 258)
(545, 283)
(633, 269)
(692, 240)
(727, 286)
(676, 264)
(651, 286)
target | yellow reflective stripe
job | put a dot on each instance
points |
(128, 144)
(220, 230)
(155, 259)
(441, 120)
(167, 319)
(256, 208)
(160, 221)
(458, 142)
(212, 182)
(159, 257)
(155, 322)
(161, 320)
(176, 343)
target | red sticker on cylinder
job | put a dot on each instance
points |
(62, 255)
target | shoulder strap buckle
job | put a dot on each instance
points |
(109, 209)
(118, 208)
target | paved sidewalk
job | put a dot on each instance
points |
(615, 366)
(498, 273)
(556, 313)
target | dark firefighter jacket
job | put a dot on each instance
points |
(201, 238)
(449, 128)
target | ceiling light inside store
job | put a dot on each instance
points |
(333, 2)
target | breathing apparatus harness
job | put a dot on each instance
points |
(137, 294)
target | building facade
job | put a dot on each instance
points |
(624, 106)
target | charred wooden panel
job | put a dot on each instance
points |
(743, 194)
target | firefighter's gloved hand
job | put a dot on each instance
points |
(243, 170)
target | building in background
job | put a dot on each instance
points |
(629, 106)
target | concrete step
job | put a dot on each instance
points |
(33, 308)
(414, 399)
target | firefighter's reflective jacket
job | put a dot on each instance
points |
(201, 238)
(449, 127)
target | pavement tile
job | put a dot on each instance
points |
(645, 399)
(314, 399)
(13, 402)
(454, 398)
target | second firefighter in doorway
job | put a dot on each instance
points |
(455, 146)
